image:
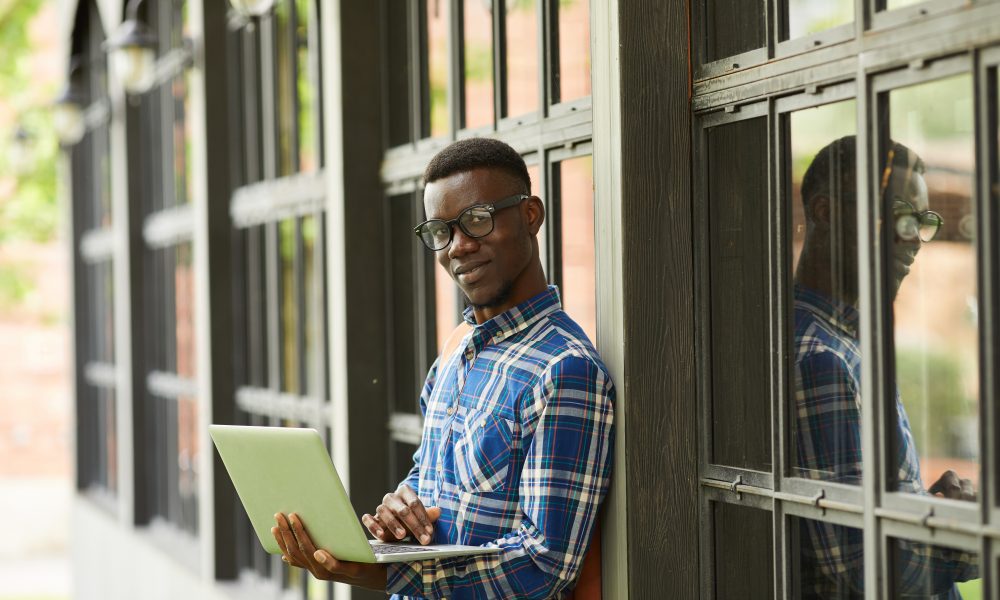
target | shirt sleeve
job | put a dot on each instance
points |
(413, 477)
(565, 476)
(829, 448)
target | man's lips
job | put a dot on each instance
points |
(468, 268)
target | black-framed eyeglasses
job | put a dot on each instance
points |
(475, 222)
(912, 223)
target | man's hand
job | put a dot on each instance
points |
(298, 550)
(400, 514)
(950, 485)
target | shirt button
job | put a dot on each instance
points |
(450, 410)
(469, 353)
(439, 469)
(498, 337)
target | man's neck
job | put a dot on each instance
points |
(528, 286)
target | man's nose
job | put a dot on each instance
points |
(461, 243)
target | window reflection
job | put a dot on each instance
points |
(312, 321)
(522, 57)
(826, 357)
(435, 83)
(922, 570)
(288, 231)
(184, 326)
(827, 560)
(478, 56)
(806, 17)
(928, 176)
(893, 4)
(576, 211)
(306, 85)
(573, 74)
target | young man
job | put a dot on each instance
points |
(828, 373)
(517, 441)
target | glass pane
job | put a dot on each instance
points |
(478, 31)
(572, 78)
(744, 552)
(184, 311)
(733, 27)
(446, 305)
(398, 91)
(812, 16)
(187, 463)
(534, 173)
(102, 312)
(738, 294)
(289, 301)
(307, 53)
(926, 571)
(257, 309)
(522, 57)
(403, 249)
(435, 79)
(827, 560)
(576, 211)
(929, 176)
(826, 367)
(893, 4)
(314, 327)
(285, 81)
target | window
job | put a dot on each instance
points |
(279, 241)
(94, 277)
(846, 299)
(160, 188)
(519, 71)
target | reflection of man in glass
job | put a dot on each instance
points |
(828, 371)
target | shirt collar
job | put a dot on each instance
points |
(841, 315)
(514, 320)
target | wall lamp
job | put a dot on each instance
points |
(252, 8)
(133, 51)
(67, 112)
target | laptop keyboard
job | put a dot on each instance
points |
(395, 549)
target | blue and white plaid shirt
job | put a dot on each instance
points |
(828, 448)
(516, 451)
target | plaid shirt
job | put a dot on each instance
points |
(828, 448)
(516, 450)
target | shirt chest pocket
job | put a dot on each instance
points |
(483, 452)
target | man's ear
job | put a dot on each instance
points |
(534, 212)
(819, 209)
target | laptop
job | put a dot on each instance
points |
(288, 470)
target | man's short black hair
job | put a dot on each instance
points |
(833, 173)
(473, 153)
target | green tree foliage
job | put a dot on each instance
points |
(28, 200)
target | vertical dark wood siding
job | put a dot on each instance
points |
(661, 442)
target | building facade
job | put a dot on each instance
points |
(777, 219)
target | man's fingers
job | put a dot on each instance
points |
(949, 485)
(288, 543)
(421, 522)
(376, 527)
(968, 490)
(307, 548)
(393, 526)
(407, 513)
(433, 513)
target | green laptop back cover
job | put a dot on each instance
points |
(279, 469)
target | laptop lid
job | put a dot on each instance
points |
(288, 470)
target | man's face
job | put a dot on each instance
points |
(487, 269)
(912, 190)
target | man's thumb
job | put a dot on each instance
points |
(433, 512)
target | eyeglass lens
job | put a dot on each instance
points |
(475, 221)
